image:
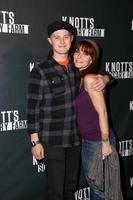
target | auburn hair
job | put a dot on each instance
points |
(86, 47)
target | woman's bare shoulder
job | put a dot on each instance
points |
(89, 78)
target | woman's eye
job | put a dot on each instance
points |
(76, 51)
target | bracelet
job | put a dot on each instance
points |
(106, 141)
(34, 143)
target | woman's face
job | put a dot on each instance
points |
(81, 59)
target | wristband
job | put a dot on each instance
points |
(105, 141)
(34, 143)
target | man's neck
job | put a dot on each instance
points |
(60, 57)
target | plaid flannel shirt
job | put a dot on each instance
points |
(51, 109)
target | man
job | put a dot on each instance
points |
(52, 124)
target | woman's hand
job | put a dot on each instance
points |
(106, 149)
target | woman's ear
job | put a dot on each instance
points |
(90, 61)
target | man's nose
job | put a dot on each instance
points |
(61, 40)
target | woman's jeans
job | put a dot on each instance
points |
(88, 149)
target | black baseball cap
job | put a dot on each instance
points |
(58, 25)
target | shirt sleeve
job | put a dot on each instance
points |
(34, 98)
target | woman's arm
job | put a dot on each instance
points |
(98, 101)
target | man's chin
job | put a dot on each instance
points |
(63, 52)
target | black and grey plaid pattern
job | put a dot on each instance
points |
(51, 103)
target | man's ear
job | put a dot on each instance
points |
(72, 37)
(49, 40)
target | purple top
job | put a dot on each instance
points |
(87, 116)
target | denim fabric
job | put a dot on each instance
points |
(88, 148)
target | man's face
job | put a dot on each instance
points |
(61, 41)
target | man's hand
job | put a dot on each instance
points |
(38, 151)
(99, 83)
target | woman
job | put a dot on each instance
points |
(91, 109)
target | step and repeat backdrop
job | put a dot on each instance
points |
(23, 43)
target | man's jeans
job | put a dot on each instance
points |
(62, 168)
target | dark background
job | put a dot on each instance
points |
(20, 177)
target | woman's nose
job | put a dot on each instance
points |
(78, 55)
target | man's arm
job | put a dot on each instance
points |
(35, 95)
(101, 81)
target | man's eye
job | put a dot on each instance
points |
(55, 37)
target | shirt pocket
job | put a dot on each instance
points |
(57, 85)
